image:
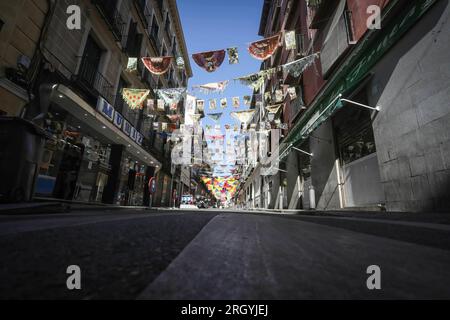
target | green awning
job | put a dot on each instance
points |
(314, 122)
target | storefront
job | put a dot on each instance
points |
(95, 155)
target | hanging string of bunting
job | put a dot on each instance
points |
(209, 61)
(157, 65)
(256, 80)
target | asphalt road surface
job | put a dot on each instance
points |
(202, 254)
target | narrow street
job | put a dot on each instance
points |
(205, 254)
(171, 151)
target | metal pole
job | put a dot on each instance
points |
(377, 108)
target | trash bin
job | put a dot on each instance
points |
(21, 146)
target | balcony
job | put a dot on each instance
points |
(93, 82)
(111, 16)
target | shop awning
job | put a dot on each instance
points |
(77, 107)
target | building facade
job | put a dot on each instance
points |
(101, 150)
(21, 26)
(393, 157)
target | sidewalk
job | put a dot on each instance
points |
(49, 207)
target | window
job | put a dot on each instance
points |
(89, 78)
(154, 34)
(134, 41)
(167, 25)
(354, 131)
(335, 37)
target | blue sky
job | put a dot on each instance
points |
(214, 25)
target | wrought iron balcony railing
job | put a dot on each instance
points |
(112, 17)
(93, 81)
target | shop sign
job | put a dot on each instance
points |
(118, 120)
(126, 127)
(139, 138)
(105, 108)
(133, 134)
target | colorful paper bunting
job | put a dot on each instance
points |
(243, 116)
(292, 93)
(215, 116)
(132, 64)
(297, 67)
(160, 105)
(212, 87)
(236, 102)
(233, 55)
(200, 105)
(135, 97)
(265, 48)
(209, 61)
(180, 63)
(171, 96)
(256, 80)
(212, 104)
(223, 103)
(157, 65)
(289, 39)
(279, 95)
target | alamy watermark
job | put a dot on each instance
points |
(73, 282)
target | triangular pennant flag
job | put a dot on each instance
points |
(256, 80)
(274, 109)
(157, 65)
(264, 48)
(215, 116)
(297, 67)
(212, 87)
(243, 116)
(135, 97)
(171, 96)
